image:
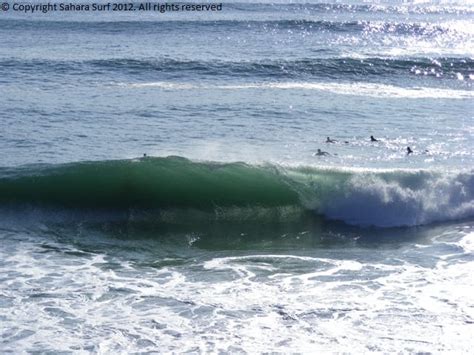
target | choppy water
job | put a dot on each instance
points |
(244, 240)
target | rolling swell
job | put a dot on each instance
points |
(349, 8)
(303, 25)
(378, 198)
(323, 68)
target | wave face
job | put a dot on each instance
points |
(385, 199)
(148, 183)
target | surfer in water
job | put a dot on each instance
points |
(409, 151)
(329, 140)
(372, 139)
(321, 153)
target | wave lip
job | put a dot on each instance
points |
(166, 185)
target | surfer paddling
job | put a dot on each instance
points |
(372, 139)
(329, 140)
(320, 153)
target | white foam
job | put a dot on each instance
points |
(398, 199)
(352, 89)
(244, 303)
(467, 243)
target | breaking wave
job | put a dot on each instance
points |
(366, 198)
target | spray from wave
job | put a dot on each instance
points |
(166, 185)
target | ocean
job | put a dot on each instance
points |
(161, 188)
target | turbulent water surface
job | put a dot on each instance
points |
(232, 234)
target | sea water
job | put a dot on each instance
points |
(233, 234)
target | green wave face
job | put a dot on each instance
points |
(182, 190)
(171, 182)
